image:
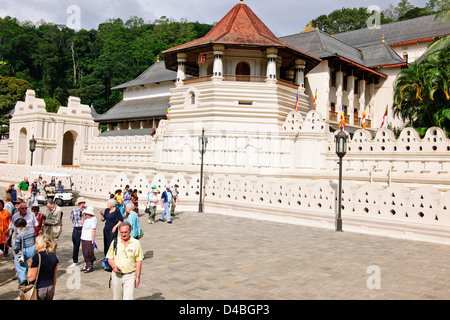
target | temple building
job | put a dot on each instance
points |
(353, 72)
(263, 113)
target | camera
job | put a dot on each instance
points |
(20, 257)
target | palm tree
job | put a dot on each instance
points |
(421, 92)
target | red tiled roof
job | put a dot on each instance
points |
(240, 27)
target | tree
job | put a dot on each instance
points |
(395, 12)
(345, 19)
(421, 92)
(414, 13)
(11, 91)
(58, 61)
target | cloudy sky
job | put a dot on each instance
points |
(283, 17)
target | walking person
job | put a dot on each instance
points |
(125, 256)
(152, 202)
(27, 215)
(112, 218)
(76, 216)
(34, 190)
(12, 192)
(40, 217)
(132, 218)
(135, 200)
(127, 197)
(44, 267)
(23, 187)
(89, 222)
(8, 204)
(119, 199)
(175, 200)
(23, 248)
(5, 220)
(166, 199)
(53, 222)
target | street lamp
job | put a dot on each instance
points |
(341, 149)
(32, 148)
(202, 141)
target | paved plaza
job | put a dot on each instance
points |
(217, 257)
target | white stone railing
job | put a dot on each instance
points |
(121, 151)
(386, 158)
(4, 151)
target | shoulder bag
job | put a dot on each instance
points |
(30, 291)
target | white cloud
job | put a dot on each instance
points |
(283, 17)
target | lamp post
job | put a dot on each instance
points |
(32, 148)
(341, 149)
(202, 141)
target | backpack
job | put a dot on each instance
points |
(105, 265)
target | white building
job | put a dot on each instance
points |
(264, 158)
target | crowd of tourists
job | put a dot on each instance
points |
(31, 237)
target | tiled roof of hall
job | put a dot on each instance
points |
(399, 32)
(324, 46)
(156, 73)
(241, 28)
(136, 109)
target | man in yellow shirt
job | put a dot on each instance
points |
(125, 257)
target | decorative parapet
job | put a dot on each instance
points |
(426, 160)
(31, 104)
(409, 141)
(313, 122)
(74, 107)
(122, 151)
(4, 151)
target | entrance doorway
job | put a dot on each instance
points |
(23, 146)
(68, 146)
(242, 71)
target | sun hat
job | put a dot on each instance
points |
(155, 190)
(81, 199)
(89, 210)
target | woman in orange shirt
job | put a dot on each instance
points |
(5, 220)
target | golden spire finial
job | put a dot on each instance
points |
(309, 27)
(382, 39)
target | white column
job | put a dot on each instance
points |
(300, 72)
(371, 107)
(339, 81)
(181, 73)
(218, 62)
(271, 65)
(362, 97)
(351, 97)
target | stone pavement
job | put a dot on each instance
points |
(217, 257)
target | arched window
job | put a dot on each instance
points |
(242, 71)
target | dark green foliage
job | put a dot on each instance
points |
(58, 62)
(345, 19)
(422, 91)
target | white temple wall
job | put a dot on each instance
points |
(147, 91)
(395, 187)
